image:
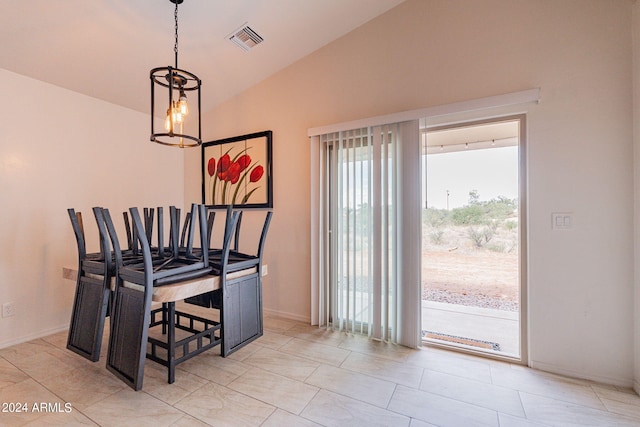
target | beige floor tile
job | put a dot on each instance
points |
(213, 367)
(189, 421)
(478, 393)
(26, 349)
(334, 410)
(23, 396)
(613, 393)
(550, 385)
(420, 423)
(511, 421)
(560, 413)
(353, 384)
(398, 372)
(73, 418)
(131, 408)
(623, 408)
(217, 405)
(287, 394)
(439, 410)
(451, 363)
(246, 351)
(156, 383)
(316, 334)
(36, 360)
(278, 325)
(9, 374)
(282, 418)
(548, 375)
(84, 386)
(376, 348)
(294, 367)
(273, 340)
(318, 352)
(59, 339)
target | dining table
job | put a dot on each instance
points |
(242, 325)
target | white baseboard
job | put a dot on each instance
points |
(620, 382)
(286, 315)
(34, 336)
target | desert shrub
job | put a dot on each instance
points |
(510, 225)
(468, 215)
(476, 212)
(482, 235)
(436, 236)
(436, 218)
(500, 208)
(476, 236)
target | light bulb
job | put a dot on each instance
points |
(181, 140)
(184, 107)
(177, 116)
(167, 121)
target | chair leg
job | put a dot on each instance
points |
(164, 318)
(171, 340)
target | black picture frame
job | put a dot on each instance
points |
(238, 171)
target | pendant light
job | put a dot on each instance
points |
(175, 98)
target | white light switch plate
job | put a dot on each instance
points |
(562, 221)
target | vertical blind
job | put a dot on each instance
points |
(359, 266)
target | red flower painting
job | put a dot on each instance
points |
(228, 177)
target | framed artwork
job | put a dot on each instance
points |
(237, 171)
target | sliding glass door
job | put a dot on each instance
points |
(473, 247)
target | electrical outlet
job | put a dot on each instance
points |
(8, 309)
(265, 271)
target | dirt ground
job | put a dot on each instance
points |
(485, 273)
(455, 269)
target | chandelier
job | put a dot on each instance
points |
(179, 125)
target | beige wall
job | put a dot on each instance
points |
(431, 52)
(59, 150)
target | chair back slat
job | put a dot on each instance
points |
(127, 227)
(78, 230)
(263, 235)
(185, 229)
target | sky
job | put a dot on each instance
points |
(492, 172)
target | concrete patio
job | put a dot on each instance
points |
(474, 323)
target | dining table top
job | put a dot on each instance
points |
(176, 291)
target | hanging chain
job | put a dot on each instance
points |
(175, 46)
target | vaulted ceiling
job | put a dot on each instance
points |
(106, 48)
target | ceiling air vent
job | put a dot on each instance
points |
(245, 37)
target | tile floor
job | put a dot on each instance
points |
(297, 375)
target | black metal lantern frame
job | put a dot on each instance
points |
(181, 126)
(173, 131)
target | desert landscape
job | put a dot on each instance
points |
(475, 265)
